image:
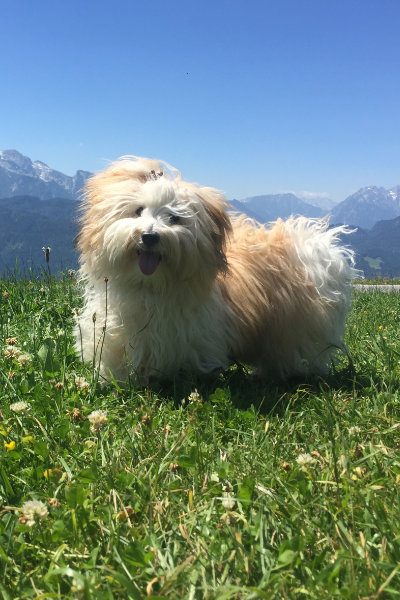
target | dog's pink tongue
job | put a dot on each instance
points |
(148, 262)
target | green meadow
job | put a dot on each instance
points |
(224, 489)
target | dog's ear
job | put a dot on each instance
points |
(217, 209)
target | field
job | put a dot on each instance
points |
(218, 490)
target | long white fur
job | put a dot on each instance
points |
(281, 306)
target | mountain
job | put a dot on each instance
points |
(378, 250)
(321, 200)
(368, 206)
(28, 223)
(38, 207)
(272, 206)
(20, 176)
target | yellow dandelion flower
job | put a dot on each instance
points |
(10, 446)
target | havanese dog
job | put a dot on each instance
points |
(176, 283)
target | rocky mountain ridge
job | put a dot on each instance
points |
(20, 176)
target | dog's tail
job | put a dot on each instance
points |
(329, 263)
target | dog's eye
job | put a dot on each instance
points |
(139, 211)
(174, 219)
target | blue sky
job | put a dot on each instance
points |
(251, 96)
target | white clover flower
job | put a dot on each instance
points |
(24, 359)
(97, 418)
(305, 460)
(354, 429)
(33, 511)
(19, 407)
(11, 352)
(11, 341)
(82, 384)
(227, 501)
(194, 397)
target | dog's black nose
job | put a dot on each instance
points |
(150, 239)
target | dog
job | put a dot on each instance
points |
(174, 282)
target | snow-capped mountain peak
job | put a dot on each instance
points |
(367, 206)
(19, 175)
(16, 162)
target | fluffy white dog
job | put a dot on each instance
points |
(173, 282)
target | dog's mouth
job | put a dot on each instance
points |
(148, 261)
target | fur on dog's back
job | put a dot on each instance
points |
(289, 288)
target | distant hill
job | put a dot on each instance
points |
(271, 206)
(28, 223)
(378, 250)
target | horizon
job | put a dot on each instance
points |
(304, 195)
(251, 98)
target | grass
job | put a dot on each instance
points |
(378, 281)
(238, 490)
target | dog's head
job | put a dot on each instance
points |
(142, 222)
